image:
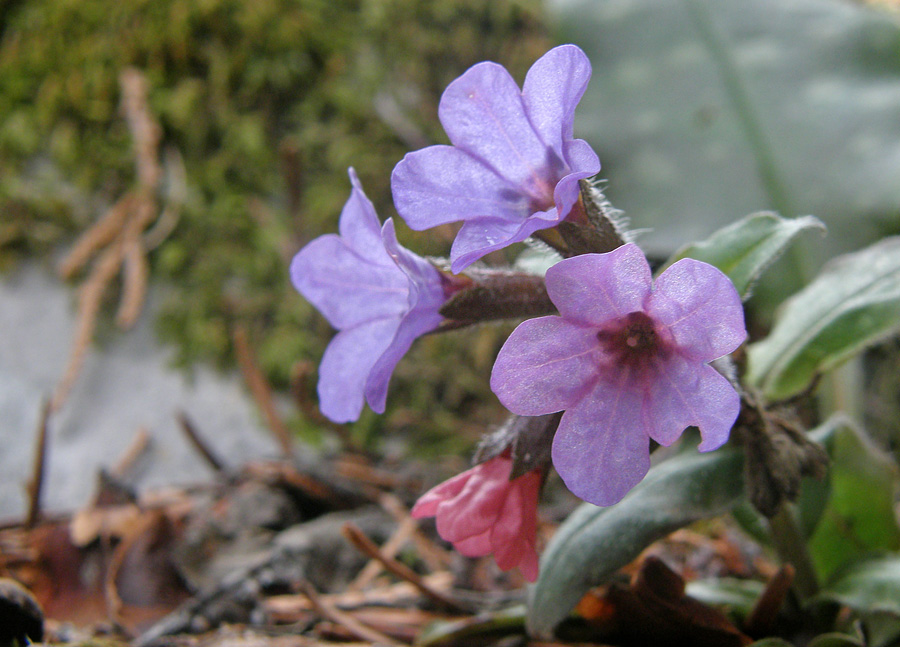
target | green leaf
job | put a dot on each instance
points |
(737, 596)
(859, 518)
(705, 110)
(484, 627)
(771, 642)
(836, 640)
(867, 587)
(852, 304)
(746, 248)
(595, 542)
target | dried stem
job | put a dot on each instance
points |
(129, 457)
(354, 626)
(261, 391)
(368, 548)
(36, 484)
(761, 620)
(199, 444)
(90, 297)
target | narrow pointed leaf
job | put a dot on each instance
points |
(852, 304)
(595, 542)
(745, 249)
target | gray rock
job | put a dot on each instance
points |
(125, 385)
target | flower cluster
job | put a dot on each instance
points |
(626, 358)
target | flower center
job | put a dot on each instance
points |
(633, 341)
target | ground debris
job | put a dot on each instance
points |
(283, 553)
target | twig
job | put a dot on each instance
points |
(261, 391)
(354, 626)
(435, 557)
(145, 131)
(90, 297)
(389, 550)
(367, 547)
(137, 447)
(762, 618)
(118, 233)
(100, 234)
(136, 271)
(199, 444)
(36, 485)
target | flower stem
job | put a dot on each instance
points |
(791, 547)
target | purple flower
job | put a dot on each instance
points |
(380, 296)
(627, 361)
(513, 167)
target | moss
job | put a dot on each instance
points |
(267, 103)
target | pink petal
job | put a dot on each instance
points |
(476, 508)
(688, 393)
(553, 87)
(346, 365)
(483, 114)
(601, 449)
(476, 546)
(591, 289)
(701, 308)
(427, 504)
(514, 535)
(528, 565)
(546, 365)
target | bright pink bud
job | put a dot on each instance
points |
(481, 512)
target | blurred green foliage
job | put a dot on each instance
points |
(266, 102)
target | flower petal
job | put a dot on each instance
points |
(483, 114)
(480, 237)
(442, 184)
(359, 225)
(513, 536)
(553, 87)
(429, 291)
(475, 546)
(601, 449)
(700, 307)
(427, 504)
(591, 289)
(413, 325)
(478, 505)
(689, 393)
(546, 365)
(346, 365)
(344, 286)
(584, 163)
